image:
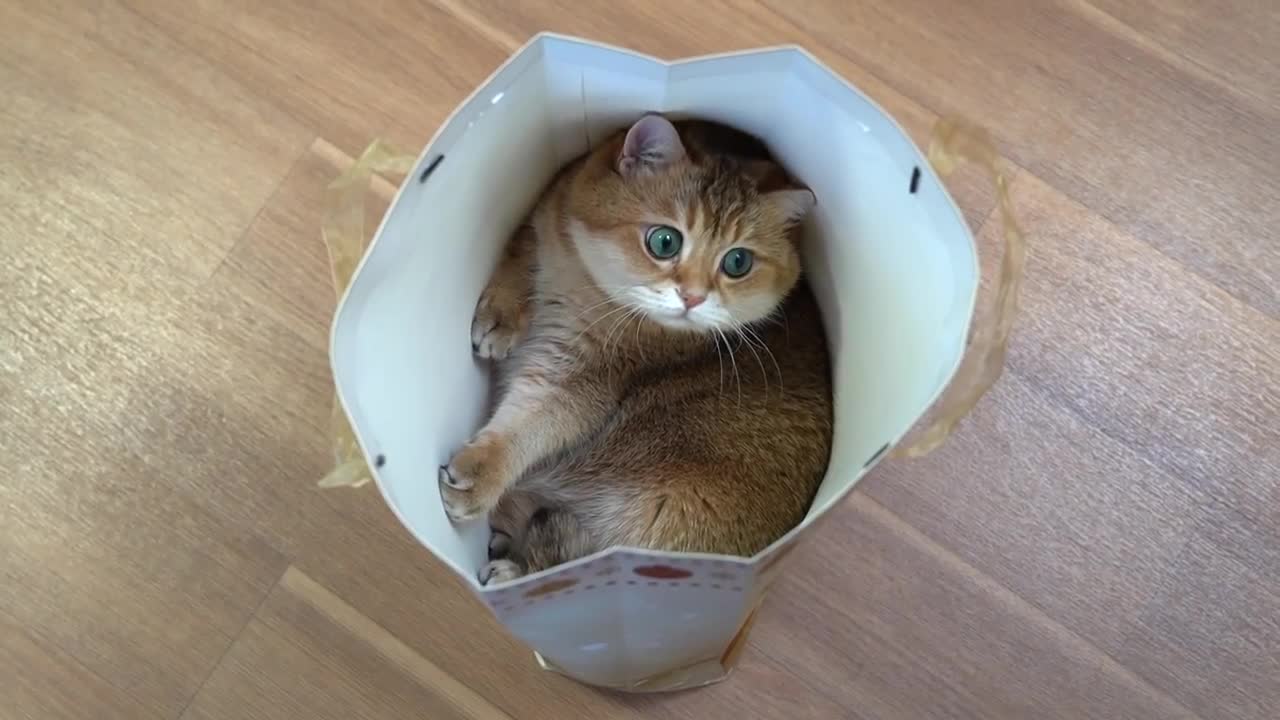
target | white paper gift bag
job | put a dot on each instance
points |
(890, 258)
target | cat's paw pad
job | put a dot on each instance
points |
(497, 325)
(462, 499)
(499, 544)
(471, 484)
(496, 572)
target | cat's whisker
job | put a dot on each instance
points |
(610, 349)
(608, 338)
(640, 318)
(606, 301)
(737, 378)
(579, 346)
(639, 343)
(614, 311)
(715, 339)
(779, 317)
(765, 346)
(566, 297)
(620, 323)
(604, 289)
(752, 347)
(604, 347)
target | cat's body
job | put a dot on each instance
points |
(665, 378)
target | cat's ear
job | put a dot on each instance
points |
(790, 200)
(792, 203)
(651, 144)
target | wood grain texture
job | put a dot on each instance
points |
(1100, 540)
(930, 614)
(1212, 635)
(391, 69)
(38, 681)
(307, 653)
(1168, 154)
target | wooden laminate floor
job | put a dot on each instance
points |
(1101, 539)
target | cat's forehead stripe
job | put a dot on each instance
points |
(692, 216)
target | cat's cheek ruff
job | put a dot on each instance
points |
(750, 310)
(648, 301)
(608, 266)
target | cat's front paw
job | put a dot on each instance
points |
(500, 320)
(496, 572)
(472, 483)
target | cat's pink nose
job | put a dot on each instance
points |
(692, 301)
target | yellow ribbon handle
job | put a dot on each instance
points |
(344, 236)
(956, 139)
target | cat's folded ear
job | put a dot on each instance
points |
(651, 144)
(789, 199)
(792, 203)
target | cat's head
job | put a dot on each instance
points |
(695, 240)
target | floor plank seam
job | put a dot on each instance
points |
(243, 235)
(1006, 152)
(1034, 611)
(1109, 24)
(267, 99)
(40, 639)
(213, 669)
(73, 656)
(1190, 484)
(828, 694)
(388, 646)
(488, 31)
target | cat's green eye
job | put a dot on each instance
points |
(737, 262)
(664, 242)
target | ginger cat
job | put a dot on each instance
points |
(665, 381)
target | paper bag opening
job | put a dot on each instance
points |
(887, 252)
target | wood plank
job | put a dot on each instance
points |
(461, 697)
(138, 166)
(308, 654)
(1078, 478)
(1073, 521)
(1213, 636)
(139, 586)
(391, 70)
(154, 373)
(874, 606)
(112, 121)
(136, 581)
(375, 566)
(1168, 156)
(840, 658)
(108, 413)
(1223, 41)
(759, 687)
(39, 681)
(1103, 316)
